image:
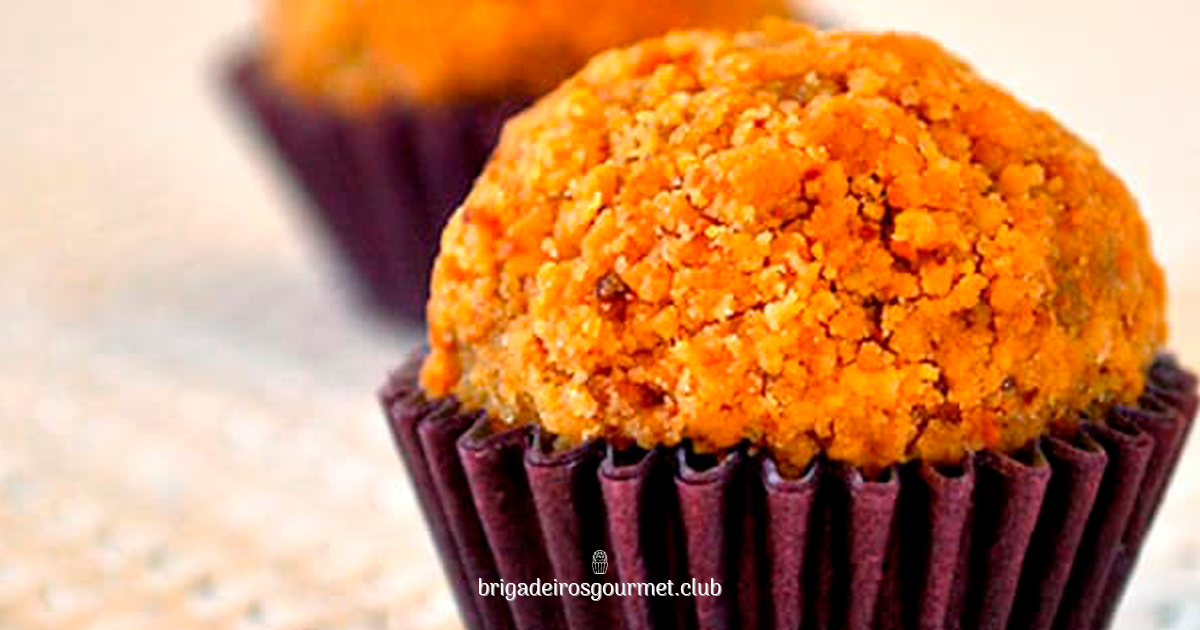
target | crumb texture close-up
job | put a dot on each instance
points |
(817, 242)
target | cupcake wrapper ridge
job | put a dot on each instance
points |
(381, 185)
(1044, 539)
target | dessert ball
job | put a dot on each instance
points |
(829, 243)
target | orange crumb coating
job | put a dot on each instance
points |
(839, 243)
(357, 53)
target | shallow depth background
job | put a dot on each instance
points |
(188, 436)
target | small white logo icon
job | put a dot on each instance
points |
(599, 562)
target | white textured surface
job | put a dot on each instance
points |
(186, 411)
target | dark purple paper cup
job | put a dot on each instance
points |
(1042, 539)
(380, 185)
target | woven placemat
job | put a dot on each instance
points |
(139, 490)
(136, 526)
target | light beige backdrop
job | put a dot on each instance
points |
(187, 433)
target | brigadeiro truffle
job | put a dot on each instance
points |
(385, 110)
(821, 316)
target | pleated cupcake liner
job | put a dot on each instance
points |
(381, 185)
(1042, 539)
